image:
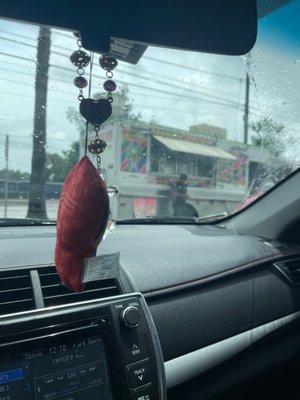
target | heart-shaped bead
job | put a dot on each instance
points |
(95, 111)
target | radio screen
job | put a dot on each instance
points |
(66, 370)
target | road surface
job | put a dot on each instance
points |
(17, 208)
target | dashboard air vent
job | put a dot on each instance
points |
(15, 291)
(55, 293)
(290, 269)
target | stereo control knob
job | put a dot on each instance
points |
(131, 316)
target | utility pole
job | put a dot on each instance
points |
(37, 193)
(246, 110)
(6, 150)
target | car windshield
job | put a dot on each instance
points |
(191, 134)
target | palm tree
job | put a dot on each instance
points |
(37, 195)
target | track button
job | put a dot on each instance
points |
(139, 374)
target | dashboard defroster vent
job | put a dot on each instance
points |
(55, 293)
(15, 291)
(290, 269)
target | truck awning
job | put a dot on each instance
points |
(194, 148)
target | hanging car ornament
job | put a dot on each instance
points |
(84, 215)
(81, 222)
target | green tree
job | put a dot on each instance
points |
(58, 166)
(15, 175)
(269, 135)
(209, 131)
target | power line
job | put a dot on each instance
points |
(179, 65)
(65, 92)
(134, 75)
(189, 83)
(134, 93)
(29, 74)
(29, 84)
(170, 109)
(69, 36)
(63, 81)
(156, 74)
(48, 137)
(203, 71)
(70, 93)
(181, 95)
(169, 98)
(29, 45)
(145, 57)
(229, 104)
(15, 56)
(138, 86)
(221, 102)
(29, 96)
(168, 85)
(138, 94)
(32, 39)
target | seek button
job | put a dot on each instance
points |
(136, 349)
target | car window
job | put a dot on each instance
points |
(191, 134)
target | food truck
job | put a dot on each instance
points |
(144, 160)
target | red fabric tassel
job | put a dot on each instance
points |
(81, 221)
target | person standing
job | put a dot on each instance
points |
(179, 195)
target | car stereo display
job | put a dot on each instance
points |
(65, 370)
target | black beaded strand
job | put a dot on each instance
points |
(108, 63)
(80, 59)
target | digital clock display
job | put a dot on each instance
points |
(68, 370)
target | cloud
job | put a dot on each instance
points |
(58, 135)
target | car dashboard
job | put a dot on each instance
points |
(206, 295)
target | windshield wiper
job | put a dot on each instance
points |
(25, 222)
(172, 220)
(211, 218)
(157, 220)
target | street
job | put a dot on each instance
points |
(17, 208)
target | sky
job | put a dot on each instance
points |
(175, 88)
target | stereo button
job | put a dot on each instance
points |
(144, 394)
(131, 316)
(136, 349)
(139, 374)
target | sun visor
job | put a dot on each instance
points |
(215, 26)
